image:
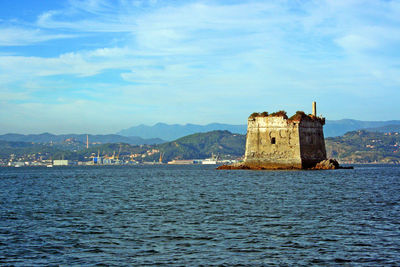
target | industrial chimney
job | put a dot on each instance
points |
(314, 109)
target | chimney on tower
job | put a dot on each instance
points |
(314, 109)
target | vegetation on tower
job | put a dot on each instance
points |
(298, 116)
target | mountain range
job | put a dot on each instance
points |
(109, 138)
(334, 128)
(353, 147)
(174, 131)
(203, 145)
(161, 132)
(171, 132)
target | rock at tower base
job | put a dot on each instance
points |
(327, 164)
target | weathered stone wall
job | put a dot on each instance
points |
(278, 143)
(312, 143)
(273, 143)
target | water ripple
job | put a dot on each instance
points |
(195, 215)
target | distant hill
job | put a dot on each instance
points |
(364, 147)
(385, 129)
(22, 148)
(356, 147)
(171, 132)
(175, 131)
(340, 127)
(195, 146)
(109, 138)
(203, 145)
(27, 151)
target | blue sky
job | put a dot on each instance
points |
(99, 66)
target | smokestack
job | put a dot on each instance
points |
(87, 141)
(314, 108)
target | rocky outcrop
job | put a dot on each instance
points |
(235, 166)
(328, 164)
(244, 166)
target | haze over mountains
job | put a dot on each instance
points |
(174, 131)
(334, 128)
(171, 132)
(161, 132)
(108, 138)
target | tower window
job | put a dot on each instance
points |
(273, 141)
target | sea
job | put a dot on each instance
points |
(199, 216)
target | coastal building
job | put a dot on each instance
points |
(275, 141)
(60, 162)
(181, 162)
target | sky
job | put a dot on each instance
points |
(98, 66)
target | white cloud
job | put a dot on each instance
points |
(13, 36)
(91, 6)
(353, 42)
(210, 53)
(203, 33)
(209, 36)
(81, 64)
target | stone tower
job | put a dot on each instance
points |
(275, 141)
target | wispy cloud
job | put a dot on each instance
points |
(16, 36)
(214, 53)
(80, 64)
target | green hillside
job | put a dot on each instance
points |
(196, 146)
(20, 149)
(354, 147)
(202, 145)
(365, 147)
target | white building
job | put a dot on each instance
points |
(60, 162)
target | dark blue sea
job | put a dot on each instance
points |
(196, 215)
